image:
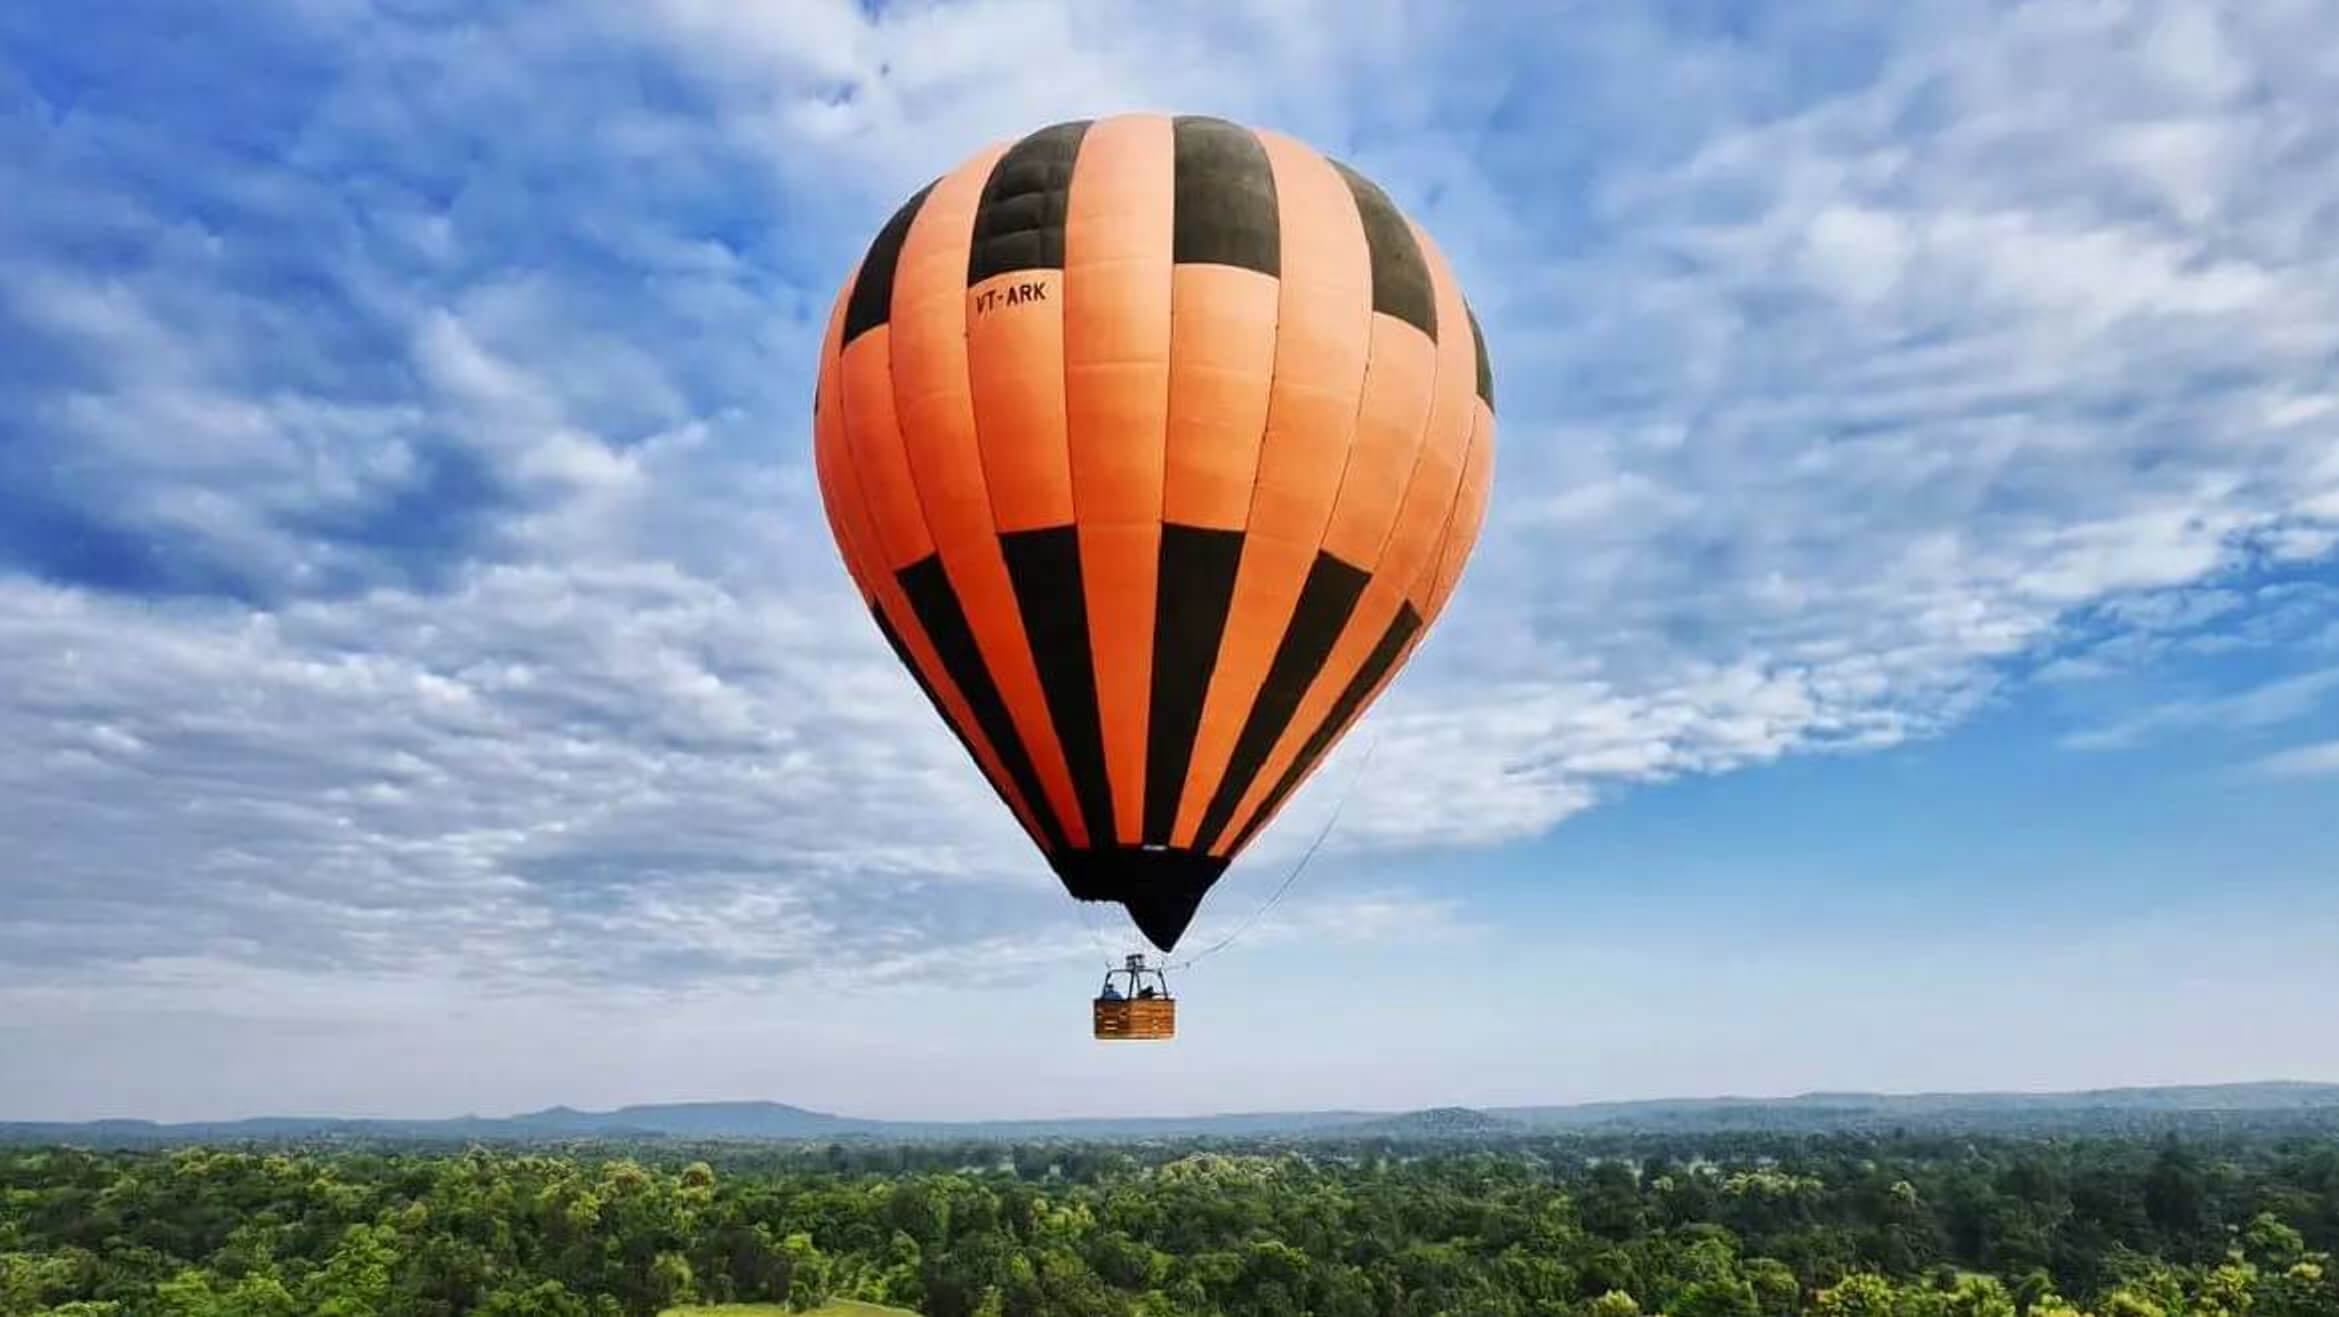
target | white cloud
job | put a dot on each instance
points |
(2318, 760)
(2271, 704)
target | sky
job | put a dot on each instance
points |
(1902, 653)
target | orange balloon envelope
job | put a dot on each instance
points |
(1155, 444)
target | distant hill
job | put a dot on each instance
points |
(1836, 1111)
(2095, 1110)
(1437, 1123)
(688, 1120)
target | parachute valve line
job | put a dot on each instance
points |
(1297, 869)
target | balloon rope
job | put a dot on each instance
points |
(1296, 869)
(1096, 933)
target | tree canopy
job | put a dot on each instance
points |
(1712, 1226)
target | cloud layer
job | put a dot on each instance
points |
(409, 561)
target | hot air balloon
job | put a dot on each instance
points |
(1155, 445)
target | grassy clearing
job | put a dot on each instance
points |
(840, 1308)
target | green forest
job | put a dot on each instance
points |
(1740, 1225)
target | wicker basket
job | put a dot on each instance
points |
(1136, 1017)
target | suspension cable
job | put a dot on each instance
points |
(1096, 933)
(1297, 869)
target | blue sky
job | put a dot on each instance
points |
(1903, 651)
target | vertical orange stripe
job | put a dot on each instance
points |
(1118, 224)
(1420, 501)
(828, 437)
(1015, 363)
(1323, 332)
(880, 453)
(843, 487)
(1425, 581)
(1323, 327)
(1469, 510)
(1437, 468)
(1391, 418)
(847, 505)
(1222, 358)
(932, 390)
(1119, 571)
(934, 396)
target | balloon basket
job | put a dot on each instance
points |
(1145, 1011)
(1143, 1018)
